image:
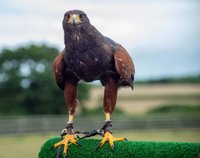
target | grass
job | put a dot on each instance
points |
(139, 101)
(28, 146)
(147, 97)
(166, 97)
(132, 149)
(176, 109)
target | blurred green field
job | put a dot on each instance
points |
(146, 97)
(140, 102)
(152, 101)
(28, 146)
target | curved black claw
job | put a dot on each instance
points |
(98, 146)
(78, 144)
(112, 147)
(58, 152)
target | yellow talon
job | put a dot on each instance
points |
(108, 137)
(69, 139)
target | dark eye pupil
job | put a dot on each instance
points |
(67, 16)
(81, 16)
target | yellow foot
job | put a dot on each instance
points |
(69, 138)
(108, 137)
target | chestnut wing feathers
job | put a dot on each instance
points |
(125, 67)
(59, 70)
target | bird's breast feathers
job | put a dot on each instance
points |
(90, 64)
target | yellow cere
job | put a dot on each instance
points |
(75, 18)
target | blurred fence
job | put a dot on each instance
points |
(53, 123)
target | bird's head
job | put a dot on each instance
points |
(74, 19)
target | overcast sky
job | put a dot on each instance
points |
(163, 37)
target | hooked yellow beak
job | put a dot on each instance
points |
(74, 19)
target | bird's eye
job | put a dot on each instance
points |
(67, 16)
(81, 16)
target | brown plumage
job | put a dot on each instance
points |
(90, 56)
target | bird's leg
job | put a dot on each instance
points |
(108, 135)
(70, 93)
(110, 97)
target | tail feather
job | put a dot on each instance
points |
(130, 82)
(126, 82)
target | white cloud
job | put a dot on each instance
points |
(128, 22)
(151, 26)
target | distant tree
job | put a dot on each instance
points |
(195, 79)
(27, 85)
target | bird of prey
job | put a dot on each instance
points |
(88, 56)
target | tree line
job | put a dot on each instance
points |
(27, 85)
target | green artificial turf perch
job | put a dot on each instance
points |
(124, 149)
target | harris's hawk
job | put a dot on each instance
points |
(88, 56)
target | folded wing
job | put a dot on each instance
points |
(125, 67)
(59, 70)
